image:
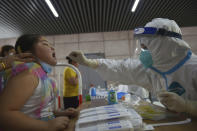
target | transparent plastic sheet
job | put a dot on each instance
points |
(151, 112)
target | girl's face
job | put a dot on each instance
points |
(45, 52)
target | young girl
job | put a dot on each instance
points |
(27, 101)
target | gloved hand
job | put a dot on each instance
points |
(172, 101)
(79, 57)
(176, 103)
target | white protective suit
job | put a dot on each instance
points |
(167, 53)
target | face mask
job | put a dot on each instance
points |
(146, 58)
(47, 68)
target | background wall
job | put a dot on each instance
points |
(115, 45)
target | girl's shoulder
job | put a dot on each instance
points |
(19, 67)
(32, 67)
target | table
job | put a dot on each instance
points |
(192, 126)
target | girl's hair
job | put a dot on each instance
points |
(6, 48)
(26, 42)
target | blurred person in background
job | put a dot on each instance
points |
(7, 50)
(71, 86)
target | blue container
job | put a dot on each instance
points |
(93, 91)
(120, 94)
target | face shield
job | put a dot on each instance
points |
(142, 38)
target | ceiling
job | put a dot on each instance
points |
(81, 16)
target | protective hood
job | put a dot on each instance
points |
(166, 51)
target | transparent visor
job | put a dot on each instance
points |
(139, 46)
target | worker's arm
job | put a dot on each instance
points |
(129, 71)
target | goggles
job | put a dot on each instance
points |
(155, 31)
